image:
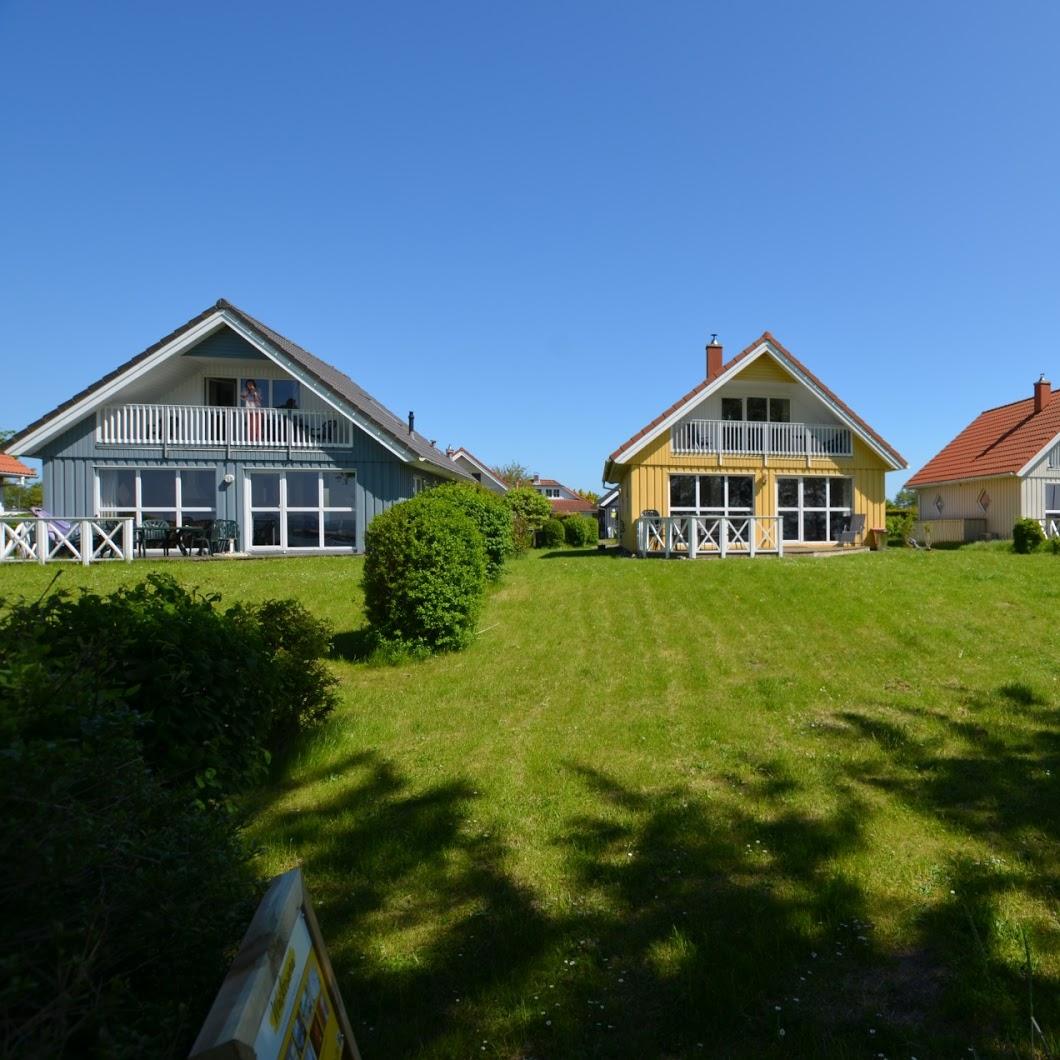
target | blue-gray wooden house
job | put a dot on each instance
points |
(227, 419)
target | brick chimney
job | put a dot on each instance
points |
(714, 360)
(1043, 392)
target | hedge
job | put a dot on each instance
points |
(581, 530)
(490, 514)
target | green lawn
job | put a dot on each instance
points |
(744, 808)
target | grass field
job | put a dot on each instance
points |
(739, 808)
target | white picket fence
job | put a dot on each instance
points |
(705, 535)
(79, 539)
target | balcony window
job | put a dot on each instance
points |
(756, 409)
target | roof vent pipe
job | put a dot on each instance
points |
(412, 421)
(1043, 393)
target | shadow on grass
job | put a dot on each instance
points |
(676, 920)
(353, 645)
(583, 553)
(987, 772)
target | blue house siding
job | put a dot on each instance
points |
(71, 460)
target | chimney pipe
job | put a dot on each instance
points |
(713, 358)
(412, 421)
(1043, 393)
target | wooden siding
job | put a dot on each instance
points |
(70, 462)
(646, 483)
(1032, 489)
(765, 369)
(960, 500)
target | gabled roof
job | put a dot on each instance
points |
(12, 468)
(560, 506)
(330, 378)
(764, 344)
(999, 441)
(483, 467)
(609, 497)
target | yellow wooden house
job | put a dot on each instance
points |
(758, 457)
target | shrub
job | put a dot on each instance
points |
(581, 530)
(552, 534)
(424, 574)
(125, 723)
(492, 517)
(1027, 535)
(900, 526)
(213, 690)
(529, 511)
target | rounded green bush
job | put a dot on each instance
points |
(490, 514)
(552, 534)
(581, 530)
(529, 511)
(424, 574)
(1027, 535)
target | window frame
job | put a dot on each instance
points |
(828, 508)
(179, 510)
(282, 509)
(700, 509)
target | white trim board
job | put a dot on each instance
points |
(1040, 455)
(461, 452)
(728, 375)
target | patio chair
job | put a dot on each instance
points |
(853, 526)
(223, 534)
(154, 533)
(60, 531)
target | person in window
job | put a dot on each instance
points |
(252, 401)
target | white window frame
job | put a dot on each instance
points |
(179, 509)
(1052, 515)
(700, 509)
(282, 509)
(828, 509)
(756, 397)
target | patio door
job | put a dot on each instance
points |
(300, 510)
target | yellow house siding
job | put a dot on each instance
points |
(765, 370)
(647, 480)
(960, 500)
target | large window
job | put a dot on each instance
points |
(254, 393)
(302, 509)
(756, 409)
(813, 509)
(1052, 505)
(711, 494)
(174, 494)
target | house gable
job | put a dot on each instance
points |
(764, 361)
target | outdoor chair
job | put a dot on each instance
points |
(853, 527)
(153, 533)
(60, 532)
(223, 535)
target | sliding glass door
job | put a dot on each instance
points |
(301, 510)
(813, 508)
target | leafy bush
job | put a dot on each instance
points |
(529, 511)
(581, 530)
(492, 517)
(424, 574)
(1027, 535)
(125, 724)
(900, 526)
(552, 534)
(213, 689)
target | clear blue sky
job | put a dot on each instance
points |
(524, 220)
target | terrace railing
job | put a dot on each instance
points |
(85, 540)
(752, 438)
(210, 426)
(705, 535)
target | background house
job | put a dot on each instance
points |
(607, 513)
(12, 471)
(225, 418)
(1005, 465)
(479, 470)
(563, 499)
(760, 439)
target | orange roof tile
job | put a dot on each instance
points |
(565, 507)
(10, 466)
(764, 337)
(999, 441)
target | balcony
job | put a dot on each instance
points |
(753, 438)
(213, 427)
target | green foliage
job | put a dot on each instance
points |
(905, 498)
(513, 475)
(529, 511)
(581, 530)
(589, 495)
(1027, 535)
(125, 723)
(492, 517)
(552, 534)
(21, 498)
(424, 574)
(900, 526)
(213, 689)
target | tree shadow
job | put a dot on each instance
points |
(353, 645)
(986, 772)
(583, 553)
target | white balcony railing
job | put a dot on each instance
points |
(210, 426)
(752, 438)
(705, 535)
